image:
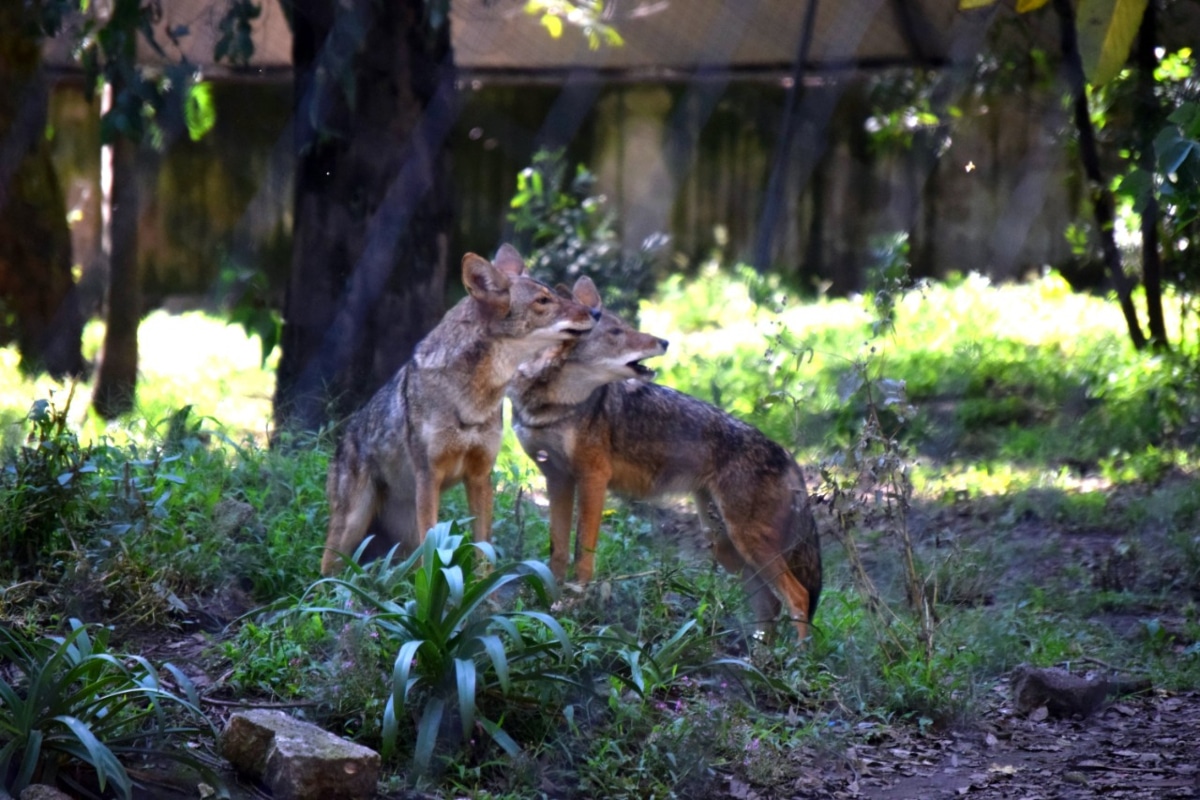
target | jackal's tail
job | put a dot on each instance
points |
(804, 555)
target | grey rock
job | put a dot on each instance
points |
(40, 791)
(297, 760)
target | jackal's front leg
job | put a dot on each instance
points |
(560, 486)
(592, 489)
(480, 498)
(429, 490)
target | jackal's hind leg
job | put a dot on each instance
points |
(353, 502)
(560, 487)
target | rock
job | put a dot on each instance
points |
(1060, 692)
(40, 791)
(297, 760)
(235, 520)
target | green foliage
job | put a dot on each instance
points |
(566, 231)
(657, 668)
(147, 103)
(888, 281)
(587, 15)
(450, 650)
(902, 107)
(252, 308)
(274, 659)
(138, 526)
(199, 110)
(42, 487)
(72, 710)
(1106, 30)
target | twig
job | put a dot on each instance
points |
(243, 704)
(1110, 667)
(1098, 767)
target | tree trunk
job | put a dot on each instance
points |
(116, 376)
(375, 100)
(36, 286)
(1149, 122)
(1102, 198)
(784, 149)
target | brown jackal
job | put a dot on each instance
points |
(439, 420)
(589, 430)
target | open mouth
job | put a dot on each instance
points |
(639, 369)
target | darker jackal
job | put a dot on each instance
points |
(439, 420)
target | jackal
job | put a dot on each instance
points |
(439, 420)
(591, 422)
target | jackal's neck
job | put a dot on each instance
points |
(553, 393)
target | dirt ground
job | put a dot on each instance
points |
(1144, 746)
(1136, 747)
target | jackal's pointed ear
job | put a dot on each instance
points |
(485, 283)
(509, 261)
(586, 293)
(563, 291)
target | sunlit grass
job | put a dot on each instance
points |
(1011, 383)
(984, 352)
(184, 359)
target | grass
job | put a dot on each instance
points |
(184, 359)
(1054, 512)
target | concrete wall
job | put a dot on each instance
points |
(693, 160)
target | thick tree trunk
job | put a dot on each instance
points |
(36, 286)
(1102, 198)
(116, 376)
(372, 207)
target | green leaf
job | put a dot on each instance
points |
(633, 659)
(108, 769)
(496, 652)
(29, 764)
(427, 731)
(455, 583)
(550, 622)
(1106, 31)
(1138, 186)
(553, 24)
(401, 670)
(391, 729)
(500, 737)
(1187, 117)
(465, 678)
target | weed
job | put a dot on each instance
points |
(568, 231)
(274, 659)
(42, 490)
(69, 709)
(450, 653)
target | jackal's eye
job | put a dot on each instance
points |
(544, 300)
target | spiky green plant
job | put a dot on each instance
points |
(70, 710)
(452, 651)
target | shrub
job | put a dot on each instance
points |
(451, 651)
(71, 709)
(567, 231)
(41, 490)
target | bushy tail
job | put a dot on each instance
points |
(804, 557)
